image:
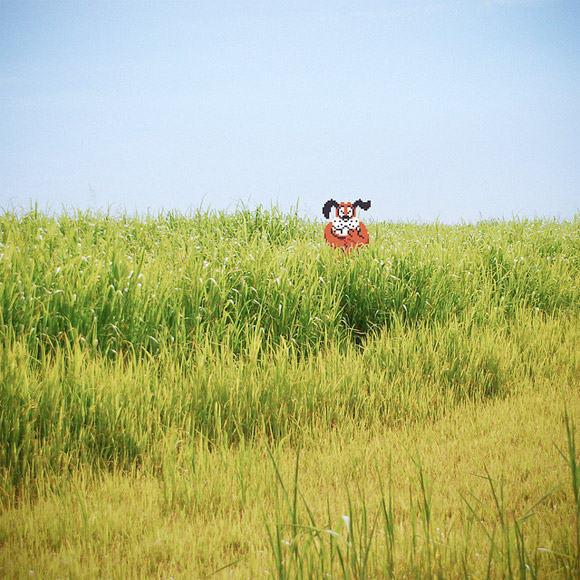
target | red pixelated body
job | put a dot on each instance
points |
(345, 230)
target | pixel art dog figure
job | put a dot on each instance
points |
(345, 230)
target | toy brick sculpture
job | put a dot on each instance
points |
(345, 230)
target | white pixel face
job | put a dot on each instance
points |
(341, 227)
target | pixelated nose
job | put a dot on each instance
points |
(345, 218)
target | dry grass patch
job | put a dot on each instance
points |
(119, 525)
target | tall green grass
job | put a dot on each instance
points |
(79, 408)
(231, 327)
(137, 284)
(143, 345)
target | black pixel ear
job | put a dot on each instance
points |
(362, 204)
(327, 207)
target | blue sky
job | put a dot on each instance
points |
(454, 110)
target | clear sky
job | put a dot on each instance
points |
(454, 110)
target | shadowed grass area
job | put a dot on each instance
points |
(160, 375)
(78, 408)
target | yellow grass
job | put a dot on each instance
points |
(129, 525)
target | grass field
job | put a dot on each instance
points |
(213, 395)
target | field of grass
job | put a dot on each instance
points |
(214, 395)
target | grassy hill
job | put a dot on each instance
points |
(185, 393)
